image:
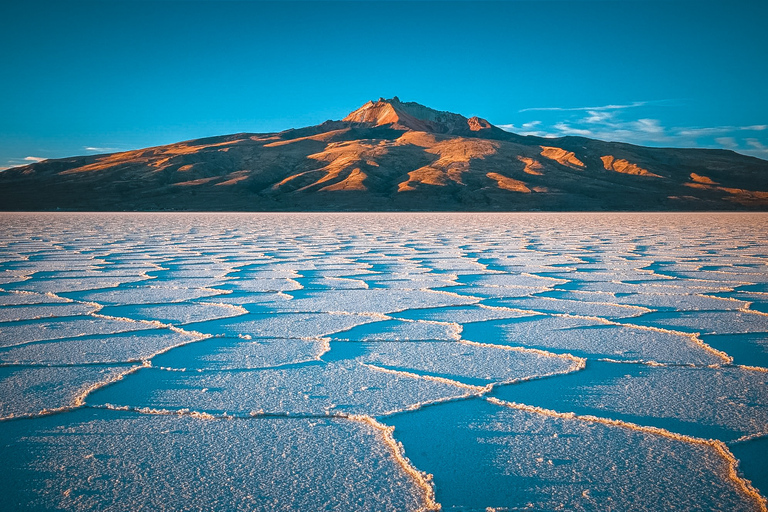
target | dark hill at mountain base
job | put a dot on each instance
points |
(392, 156)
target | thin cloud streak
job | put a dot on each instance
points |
(100, 150)
(587, 109)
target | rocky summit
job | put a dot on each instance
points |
(390, 155)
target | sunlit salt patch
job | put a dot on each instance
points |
(285, 325)
(372, 300)
(571, 307)
(723, 403)
(159, 279)
(513, 280)
(461, 314)
(27, 331)
(246, 298)
(607, 277)
(62, 285)
(457, 264)
(345, 387)
(260, 285)
(495, 292)
(8, 278)
(332, 283)
(653, 299)
(264, 273)
(177, 313)
(508, 331)
(607, 341)
(399, 330)
(37, 390)
(107, 271)
(125, 461)
(400, 267)
(725, 277)
(35, 311)
(59, 264)
(709, 322)
(489, 457)
(149, 294)
(470, 363)
(340, 272)
(210, 273)
(108, 348)
(218, 354)
(410, 281)
(22, 298)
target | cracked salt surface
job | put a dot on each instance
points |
(259, 362)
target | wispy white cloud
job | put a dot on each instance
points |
(718, 130)
(614, 123)
(727, 142)
(756, 144)
(34, 158)
(566, 129)
(587, 109)
(526, 129)
(100, 149)
(532, 124)
(599, 116)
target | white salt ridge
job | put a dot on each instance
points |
(677, 286)
(264, 273)
(37, 311)
(608, 277)
(18, 298)
(125, 462)
(592, 337)
(497, 292)
(34, 391)
(401, 330)
(335, 283)
(373, 301)
(147, 295)
(12, 279)
(712, 322)
(75, 284)
(411, 281)
(467, 361)
(524, 280)
(574, 307)
(263, 285)
(177, 314)
(232, 354)
(20, 333)
(314, 388)
(113, 348)
(240, 299)
(461, 314)
(286, 325)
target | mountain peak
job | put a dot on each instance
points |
(414, 116)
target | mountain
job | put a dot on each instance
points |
(392, 155)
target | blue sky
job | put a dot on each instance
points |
(102, 76)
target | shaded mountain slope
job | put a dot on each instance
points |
(392, 155)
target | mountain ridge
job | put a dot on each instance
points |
(390, 155)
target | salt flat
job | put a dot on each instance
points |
(578, 361)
